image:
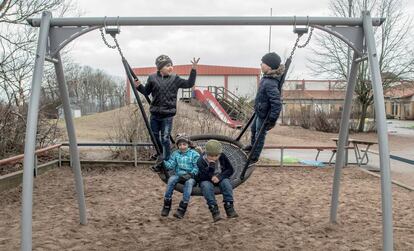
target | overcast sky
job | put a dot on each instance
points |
(219, 45)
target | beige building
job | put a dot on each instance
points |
(399, 101)
(241, 81)
(311, 96)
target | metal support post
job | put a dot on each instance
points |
(60, 156)
(343, 137)
(135, 156)
(31, 129)
(36, 163)
(281, 157)
(381, 123)
(73, 145)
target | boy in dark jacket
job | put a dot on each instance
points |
(215, 170)
(267, 101)
(163, 87)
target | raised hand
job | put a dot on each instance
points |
(137, 83)
(195, 62)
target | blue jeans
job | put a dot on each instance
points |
(207, 188)
(256, 125)
(161, 127)
(188, 188)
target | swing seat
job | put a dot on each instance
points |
(234, 152)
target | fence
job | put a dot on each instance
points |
(14, 179)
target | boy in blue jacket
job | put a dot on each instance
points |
(215, 170)
(184, 163)
(267, 101)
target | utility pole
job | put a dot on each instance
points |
(270, 32)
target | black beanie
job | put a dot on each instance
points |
(162, 61)
(272, 60)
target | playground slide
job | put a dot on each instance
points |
(214, 106)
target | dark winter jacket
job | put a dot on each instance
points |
(164, 92)
(268, 99)
(222, 168)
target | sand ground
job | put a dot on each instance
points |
(280, 209)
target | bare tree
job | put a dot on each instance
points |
(396, 57)
(17, 56)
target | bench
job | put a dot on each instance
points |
(319, 149)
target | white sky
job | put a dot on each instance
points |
(219, 45)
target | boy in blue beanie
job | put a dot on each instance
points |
(267, 101)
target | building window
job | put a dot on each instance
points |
(407, 110)
(299, 87)
(394, 108)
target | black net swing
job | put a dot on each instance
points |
(232, 148)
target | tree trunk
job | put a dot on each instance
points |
(362, 117)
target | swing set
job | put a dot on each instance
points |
(232, 148)
(56, 33)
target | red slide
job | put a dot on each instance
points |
(214, 106)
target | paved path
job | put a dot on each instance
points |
(400, 171)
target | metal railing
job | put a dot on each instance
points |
(231, 101)
(135, 145)
(19, 157)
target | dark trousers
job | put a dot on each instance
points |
(161, 127)
(255, 128)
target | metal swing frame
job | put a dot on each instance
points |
(56, 33)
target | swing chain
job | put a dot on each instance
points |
(308, 40)
(297, 45)
(106, 41)
(116, 46)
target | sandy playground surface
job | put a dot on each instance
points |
(279, 208)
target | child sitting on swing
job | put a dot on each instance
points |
(184, 163)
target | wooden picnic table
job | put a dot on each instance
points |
(361, 148)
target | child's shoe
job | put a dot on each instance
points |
(230, 212)
(182, 208)
(215, 212)
(166, 208)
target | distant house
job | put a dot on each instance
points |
(399, 101)
(76, 111)
(312, 96)
(241, 81)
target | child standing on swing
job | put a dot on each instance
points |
(163, 87)
(267, 101)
